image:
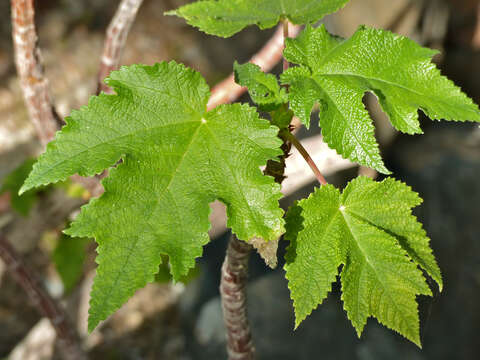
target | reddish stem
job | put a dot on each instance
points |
(30, 70)
(288, 136)
(234, 300)
(286, 24)
(116, 37)
(45, 304)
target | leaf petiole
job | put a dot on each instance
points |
(286, 135)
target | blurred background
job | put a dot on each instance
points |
(183, 320)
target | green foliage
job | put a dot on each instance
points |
(176, 158)
(336, 73)
(227, 17)
(264, 89)
(164, 275)
(69, 256)
(168, 158)
(370, 230)
(13, 182)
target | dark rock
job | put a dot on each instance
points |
(326, 333)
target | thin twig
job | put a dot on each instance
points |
(228, 91)
(116, 37)
(288, 136)
(401, 15)
(234, 299)
(30, 71)
(45, 304)
(285, 22)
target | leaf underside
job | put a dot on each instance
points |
(227, 17)
(176, 158)
(370, 230)
(337, 73)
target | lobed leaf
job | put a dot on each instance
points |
(227, 17)
(370, 230)
(175, 158)
(336, 73)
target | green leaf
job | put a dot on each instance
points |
(227, 17)
(263, 88)
(370, 230)
(13, 182)
(176, 158)
(69, 257)
(336, 73)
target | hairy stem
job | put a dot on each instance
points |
(234, 300)
(116, 37)
(288, 136)
(228, 91)
(67, 338)
(30, 70)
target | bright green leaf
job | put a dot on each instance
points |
(264, 89)
(227, 17)
(176, 158)
(336, 73)
(370, 230)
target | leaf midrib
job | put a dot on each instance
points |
(403, 87)
(234, 177)
(354, 134)
(131, 250)
(113, 139)
(380, 279)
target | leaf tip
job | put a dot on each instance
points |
(171, 13)
(298, 320)
(383, 169)
(415, 339)
(92, 323)
(25, 187)
(358, 330)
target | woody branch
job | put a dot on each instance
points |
(30, 70)
(45, 304)
(116, 37)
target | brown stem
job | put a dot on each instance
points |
(67, 339)
(286, 24)
(32, 81)
(30, 70)
(228, 91)
(288, 136)
(116, 37)
(234, 300)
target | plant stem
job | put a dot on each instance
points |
(117, 33)
(67, 338)
(29, 66)
(288, 136)
(33, 82)
(285, 22)
(234, 300)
